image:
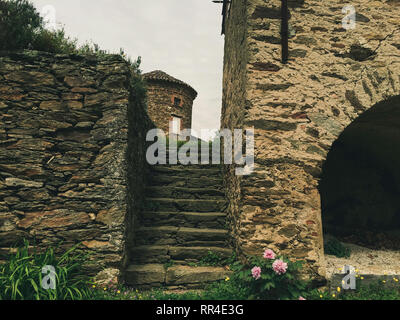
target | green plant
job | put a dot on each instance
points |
(212, 259)
(377, 290)
(232, 288)
(215, 259)
(168, 264)
(261, 278)
(20, 23)
(55, 42)
(271, 284)
(374, 291)
(22, 27)
(336, 248)
(158, 294)
(236, 289)
(21, 276)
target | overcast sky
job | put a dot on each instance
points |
(180, 37)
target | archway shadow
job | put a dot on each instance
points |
(360, 182)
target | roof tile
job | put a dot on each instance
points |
(161, 75)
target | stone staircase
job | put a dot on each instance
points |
(184, 220)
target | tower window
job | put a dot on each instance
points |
(177, 102)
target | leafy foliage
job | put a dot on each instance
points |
(56, 42)
(22, 27)
(377, 290)
(233, 288)
(20, 24)
(21, 276)
(215, 259)
(240, 285)
(270, 286)
(373, 291)
(336, 248)
(168, 264)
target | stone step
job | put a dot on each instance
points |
(185, 193)
(186, 276)
(186, 181)
(179, 166)
(184, 171)
(180, 255)
(181, 236)
(194, 161)
(185, 205)
(210, 220)
(206, 152)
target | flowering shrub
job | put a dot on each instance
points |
(270, 277)
(256, 272)
(279, 266)
(269, 254)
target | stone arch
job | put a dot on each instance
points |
(360, 182)
(334, 112)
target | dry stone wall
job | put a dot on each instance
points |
(72, 133)
(299, 109)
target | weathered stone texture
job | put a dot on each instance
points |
(66, 170)
(160, 101)
(182, 222)
(298, 110)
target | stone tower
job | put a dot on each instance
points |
(298, 110)
(169, 99)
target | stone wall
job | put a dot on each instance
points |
(299, 109)
(161, 108)
(67, 172)
(233, 112)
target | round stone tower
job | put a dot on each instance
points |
(169, 100)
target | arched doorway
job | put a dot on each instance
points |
(360, 183)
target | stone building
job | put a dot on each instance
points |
(335, 77)
(72, 147)
(169, 99)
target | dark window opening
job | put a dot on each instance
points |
(177, 102)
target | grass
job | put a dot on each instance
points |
(24, 275)
(120, 292)
(223, 290)
(214, 259)
(374, 291)
(21, 278)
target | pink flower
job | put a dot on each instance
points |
(269, 254)
(279, 266)
(301, 298)
(256, 272)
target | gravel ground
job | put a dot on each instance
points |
(367, 261)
